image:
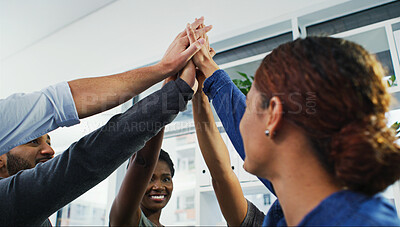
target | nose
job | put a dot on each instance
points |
(157, 185)
(46, 150)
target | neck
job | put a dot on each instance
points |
(302, 183)
(153, 216)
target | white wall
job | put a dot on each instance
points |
(128, 34)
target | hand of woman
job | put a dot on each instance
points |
(203, 59)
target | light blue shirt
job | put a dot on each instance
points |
(25, 117)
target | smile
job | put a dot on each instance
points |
(157, 197)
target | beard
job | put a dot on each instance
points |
(16, 164)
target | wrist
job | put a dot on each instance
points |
(209, 67)
(162, 68)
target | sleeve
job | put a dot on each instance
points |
(25, 117)
(229, 103)
(254, 216)
(37, 193)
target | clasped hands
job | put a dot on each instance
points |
(190, 56)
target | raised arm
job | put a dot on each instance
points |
(25, 117)
(215, 153)
(84, 164)
(94, 95)
(126, 206)
(229, 102)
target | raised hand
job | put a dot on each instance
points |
(199, 74)
(181, 50)
(203, 59)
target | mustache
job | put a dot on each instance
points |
(44, 158)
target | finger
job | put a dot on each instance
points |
(200, 27)
(212, 52)
(195, 24)
(193, 49)
(207, 41)
(181, 34)
(200, 32)
(190, 33)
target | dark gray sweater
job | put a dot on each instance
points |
(31, 196)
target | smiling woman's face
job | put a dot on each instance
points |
(26, 156)
(159, 189)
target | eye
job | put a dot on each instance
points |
(35, 141)
(167, 179)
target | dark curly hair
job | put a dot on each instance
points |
(164, 156)
(334, 91)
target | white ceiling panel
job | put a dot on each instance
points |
(25, 22)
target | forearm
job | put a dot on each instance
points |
(229, 103)
(126, 206)
(90, 160)
(226, 185)
(231, 199)
(212, 146)
(94, 95)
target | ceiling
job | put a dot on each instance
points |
(23, 23)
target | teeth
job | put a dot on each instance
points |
(157, 197)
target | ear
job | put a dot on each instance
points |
(3, 166)
(3, 161)
(275, 118)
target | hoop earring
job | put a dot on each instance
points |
(267, 132)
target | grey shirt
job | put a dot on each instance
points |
(31, 196)
(254, 216)
(144, 221)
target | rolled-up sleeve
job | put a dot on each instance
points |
(25, 117)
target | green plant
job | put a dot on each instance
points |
(396, 127)
(244, 84)
(392, 80)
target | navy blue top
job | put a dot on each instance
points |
(341, 208)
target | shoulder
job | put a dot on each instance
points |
(144, 221)
(352, 208)
(375, 210)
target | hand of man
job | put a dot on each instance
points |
(181, 50)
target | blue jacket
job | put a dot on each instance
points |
(341, 208)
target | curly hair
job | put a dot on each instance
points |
(164, 156)
(333, 90)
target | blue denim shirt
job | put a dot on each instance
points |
(341, 208)
(25, 117)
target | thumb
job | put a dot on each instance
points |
(193, 48)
